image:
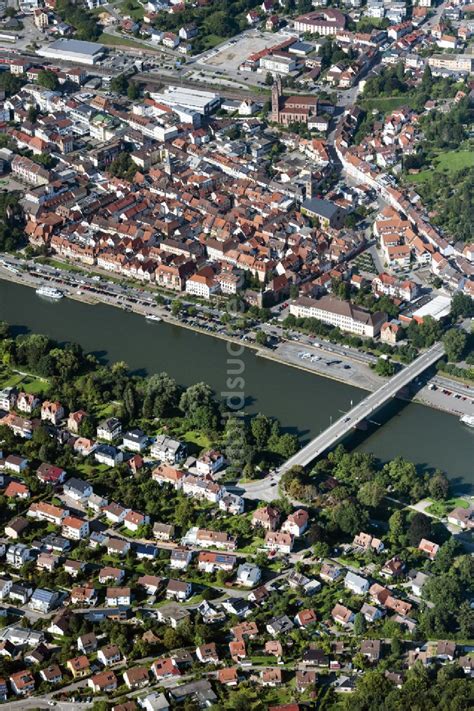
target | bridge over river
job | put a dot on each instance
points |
(267, 489)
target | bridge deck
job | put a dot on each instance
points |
(364, 409)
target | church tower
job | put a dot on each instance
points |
(276, 95)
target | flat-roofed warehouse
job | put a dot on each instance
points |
(71, 50)
(204, 102)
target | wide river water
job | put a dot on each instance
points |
(304, 403)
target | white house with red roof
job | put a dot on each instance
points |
(296, 523)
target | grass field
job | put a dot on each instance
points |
(385, 103)
(442, 508)
(29, 383)
(59, 265)
(210, 41)
(452, 161)
(136, 13)
(114, 41)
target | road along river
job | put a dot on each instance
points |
(304, 403)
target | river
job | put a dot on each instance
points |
(303, 402)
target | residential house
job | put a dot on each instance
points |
(163, 531)
(228, 676)
(52, 674)
(279, 625)
(210, 562)
(179, 590)
(26, 402)
(77, 489)
(393, 568)
(115, 513)
(15, 528)
(116, 597)
(173, 615)
(109, 429)
(150, 583)
(135, 440)
(356, 583)
(74, 421)
(168, 450)
(248, 575)
(342, 615)
(52, 412)
(266, 517)
(74, 567)
(44, 600)
(180, 558)
(165, 668)
(104, 682)
(164, 474)
(8, 398)
(134, 520)
(84, 596)
(464, 518)
(238, 650)
(14, 463)
(431, 549)
(231, 503)
(207, 653)
(279, 542)
(367, 542)
(17, 490)
(296, 523)
(108, 455)
(305, 618)
(87, 643)
(210, 462)
(75, 528)
(136, 678)
(108, 655)
(50, 474)
(22, 683)
(79, 666)
(370, 612)
(370, 648)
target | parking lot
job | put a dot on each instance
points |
(329, 365)
(234, 52)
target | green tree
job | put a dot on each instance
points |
(287, 445)
(11, 221)
(360, 625)
(123, 167)
(350, 517)
(454, 342)
(438, 486)
(261, 338)
(420, 527)
(396, 525)
(133, 91)
(373, 688)
(384, 367)
(48, 79)
(371, 493)
(260, 427)
(462, 306)
(119, 84)
(164, 394)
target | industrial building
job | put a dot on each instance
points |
(71, 50)
(203, 102)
